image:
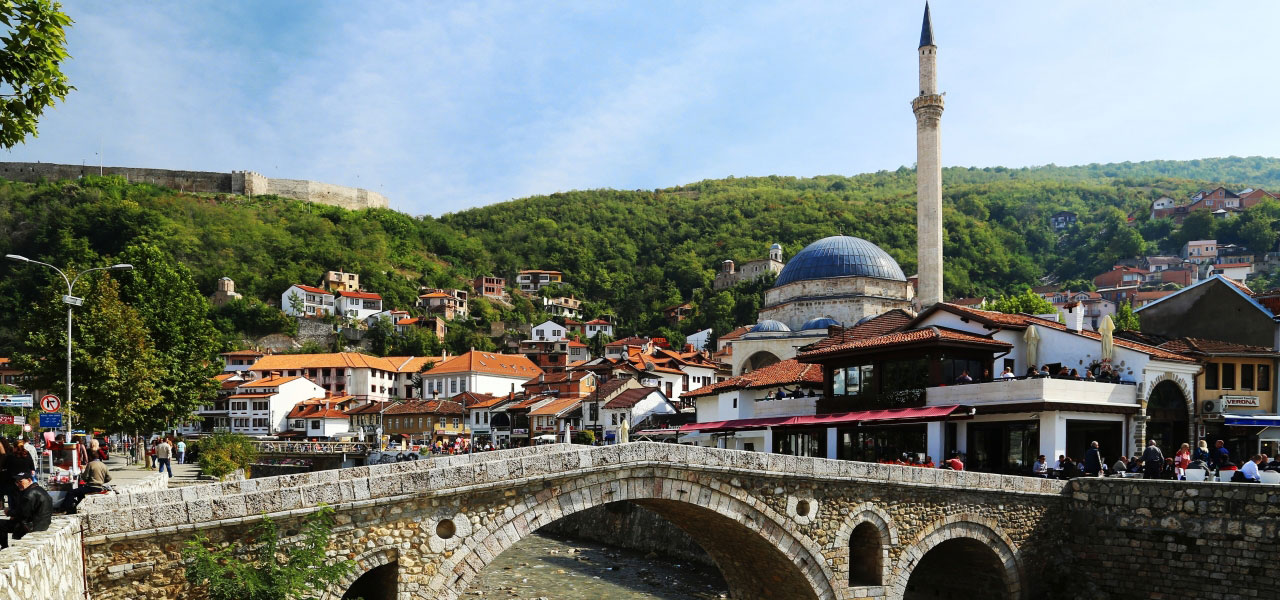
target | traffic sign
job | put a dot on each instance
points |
(51, 421)
(50, 403)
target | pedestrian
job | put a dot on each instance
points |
(23, 444)
(182, 452)
(151, 454)
(1092, 460)
(95, 480)
(1181, 461)
(164, 453)
(1152, 461)
(31, 513)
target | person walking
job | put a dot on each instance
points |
(164, 453)
(182, 452)
(33, 511)
(1093, 460)
(1152, 461)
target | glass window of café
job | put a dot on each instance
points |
(1005, 447)
(800, 442)
(887, 443)
(885, 384)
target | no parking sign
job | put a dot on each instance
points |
(50, 403)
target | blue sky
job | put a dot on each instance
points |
(448, 105)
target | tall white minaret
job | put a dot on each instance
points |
(928, 109)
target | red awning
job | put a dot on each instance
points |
(951, 412)
(736, 424)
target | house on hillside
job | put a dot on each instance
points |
(488, 286)
(532, 280)
(306, 301)
(1200, 251)
(1062, 220)
(449, 303)
(480, 372)
(339, 281)
(261, 407)
(358, 305)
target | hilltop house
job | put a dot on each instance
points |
(306, 301)
(480, 372)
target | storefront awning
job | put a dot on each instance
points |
(952, 412)
(736, 424)
(1251, 420)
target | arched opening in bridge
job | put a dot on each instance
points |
(1167, 414)
(759, 360)
(378, 583)
(866, 555)
(958, 568)
(746, 563)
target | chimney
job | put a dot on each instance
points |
(435, 394)
(1075, 316)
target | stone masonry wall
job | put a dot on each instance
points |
(151, 483)
(1175, 539)
(205, 182)
(46, 564)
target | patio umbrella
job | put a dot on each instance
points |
(1032, 338)
(564, 431)
(622, 431)
(1108, 347)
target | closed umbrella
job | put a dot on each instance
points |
(1032, 338)
(623, 431)
(1108, 346)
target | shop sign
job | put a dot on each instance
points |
(16, 400)
(1241, 401)
(519, 432)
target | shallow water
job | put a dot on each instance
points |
(541, 566)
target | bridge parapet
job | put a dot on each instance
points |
(142, 514)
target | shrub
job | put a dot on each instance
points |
(224, 453)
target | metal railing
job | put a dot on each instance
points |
(287, 447)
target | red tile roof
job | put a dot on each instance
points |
(426, 407)
(361, 295)
(629, 398)
(512, 365)
(914, 336)
(370, 408)
(473, 399)
(629, 341)
(787, 372)
(312, 290)
(1206, 347)
(557, 406)
(268, 382)
(316, 409)
(894, 320)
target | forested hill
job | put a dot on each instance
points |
(630, 252)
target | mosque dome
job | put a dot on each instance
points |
(770, 326)
(819, 323)
(840, 256)
(776, 247)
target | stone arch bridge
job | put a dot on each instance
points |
(777, 526)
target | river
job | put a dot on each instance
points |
(542, 566)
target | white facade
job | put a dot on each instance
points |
(548, 331)
(358, 305)
(451, 384)
(315, 301)
(265, 409)
(1237, 272)
(655, 403)
(594, 328)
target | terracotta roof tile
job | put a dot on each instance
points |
(1203, 346)
(312, 290)
(514, 365)
(629, 398)
(360, 295)
(894, 320)
(426, 407)
(787, 372)
(909, 337)
(556, 406)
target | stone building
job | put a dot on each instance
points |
(225, 292)
(731, 274)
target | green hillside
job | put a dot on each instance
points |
(629, 252)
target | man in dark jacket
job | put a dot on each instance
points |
(32, 513)
(1152, 461)
(1092, 461)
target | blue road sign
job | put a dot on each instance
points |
(51, 421)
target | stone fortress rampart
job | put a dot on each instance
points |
(246, 183)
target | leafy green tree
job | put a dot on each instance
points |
(1124, 319)
(1027, 302)
(35, 46)
(176, 316)
(271, 569)
(415, 341)
(222, 454)
(117, 373)
(380, 336)
(297, 305)
(252, 317)
(1258, 235)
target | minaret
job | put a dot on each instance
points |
(928, 109)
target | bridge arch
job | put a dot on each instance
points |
(969, 542)
(367, 564)
(751, 544)
(863, 543)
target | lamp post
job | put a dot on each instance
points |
(71, 301)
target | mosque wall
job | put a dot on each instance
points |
(845, 299)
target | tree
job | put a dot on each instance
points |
(117, 373)
(222, 454)
(31, 78)
(176, 316)
(270, 569)
(1125, 320)
(1027, 302)
(297, 305)
(1258, 236)
(380, 336)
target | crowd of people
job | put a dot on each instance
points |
(27, 504)
(1153, 464)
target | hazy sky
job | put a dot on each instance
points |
(443, 106)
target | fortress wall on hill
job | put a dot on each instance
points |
(236, 182)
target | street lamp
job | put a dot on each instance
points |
(71, 301)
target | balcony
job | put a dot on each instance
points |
(1018, 391)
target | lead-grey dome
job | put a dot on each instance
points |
(840, 256)
(769, 325)
(819, 323)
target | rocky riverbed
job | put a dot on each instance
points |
(553, 568)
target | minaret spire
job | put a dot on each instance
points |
(926, 29)
(928, 109)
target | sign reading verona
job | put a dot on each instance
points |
(1240, 400)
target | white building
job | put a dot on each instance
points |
(752, 402)
(319, 418)
(1235, 271)
(368, 378)
(261, 407)
(481, 372)
(239, 360)
(358, 305)
(633, 406)
(314, 301)
(548, 331)
(595, 327)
